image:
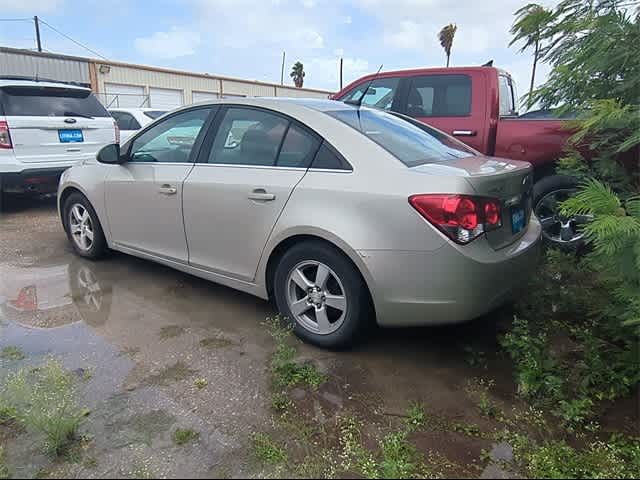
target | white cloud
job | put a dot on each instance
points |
(326, 71)
(30, 6)
(168, 45)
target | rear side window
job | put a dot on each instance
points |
(380, 93)
(50, 102)
(248, 137)
(125, 121)
(328, 159)
(153, 114)
(298, 149)
(439, 96)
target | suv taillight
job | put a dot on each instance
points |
(115, 125)
(5, 138)
(462, 218)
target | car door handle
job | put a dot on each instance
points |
(465, 133)
(261, 195)
(168, 190)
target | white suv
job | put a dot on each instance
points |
(130, 120)
(45, 128)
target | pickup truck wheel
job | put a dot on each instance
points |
(557, 230)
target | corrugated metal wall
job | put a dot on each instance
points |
(61, 69)
(78, 69)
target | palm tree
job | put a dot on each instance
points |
(297, 73)
(446, 36)
(528, 27)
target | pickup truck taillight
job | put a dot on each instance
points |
(462, 218)
(5, 138)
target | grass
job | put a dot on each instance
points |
(286, 372)
(44, 400)
(4, 470)
(182, 436)
(171, 331)
(416, 416)
(12, 353)
(266, 450)
(201, 383)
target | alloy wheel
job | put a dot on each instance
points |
(81, 227)
(316, 297)
(557, 228)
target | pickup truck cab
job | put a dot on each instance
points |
(478, 105)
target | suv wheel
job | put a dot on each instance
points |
(83, 227)
(322, 294)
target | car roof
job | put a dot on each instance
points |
(10, 82)
(136, 109)
(282, 103)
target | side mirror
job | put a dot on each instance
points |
(110, 155)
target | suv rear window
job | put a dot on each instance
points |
(50, 102)
(412, 142)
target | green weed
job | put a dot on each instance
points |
(416, 416)
(267, 450)
(4, 469)
(200, 383)
(183, 436)
(44, 400)
(12, 353)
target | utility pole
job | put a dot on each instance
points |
(37, 24)
(282, 72)
(341, 63)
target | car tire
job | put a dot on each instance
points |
(92, 248)
(346, 326)
(549, 191)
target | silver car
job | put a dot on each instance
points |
(344, 216)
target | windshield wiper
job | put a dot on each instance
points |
(75, 114)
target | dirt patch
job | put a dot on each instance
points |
(171, 331)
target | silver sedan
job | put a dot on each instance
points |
(345, 216)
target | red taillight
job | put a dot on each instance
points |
(5, 138)
(462, 218)
(115, 125)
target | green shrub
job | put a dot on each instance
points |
(267, 450)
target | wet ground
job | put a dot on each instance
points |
(145, 335)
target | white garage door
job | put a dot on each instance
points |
(165, 98)
(203, 96)
(124, 96)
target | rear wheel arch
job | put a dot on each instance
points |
(287, 243)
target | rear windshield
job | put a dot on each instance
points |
(153, 114)
(50, 102)
(412, 142)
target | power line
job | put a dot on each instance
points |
(71, 39)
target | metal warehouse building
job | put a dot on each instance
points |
(128, 85)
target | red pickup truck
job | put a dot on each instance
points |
(478, 105)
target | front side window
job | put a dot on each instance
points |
(507, 104)
(248, 137)
(410, 141)
(439, 96)
(50, 102)
(379, 94)
(171, 140)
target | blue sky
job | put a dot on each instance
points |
(245, 38)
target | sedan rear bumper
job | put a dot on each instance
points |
(452, 284)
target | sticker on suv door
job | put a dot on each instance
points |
(70, 136)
